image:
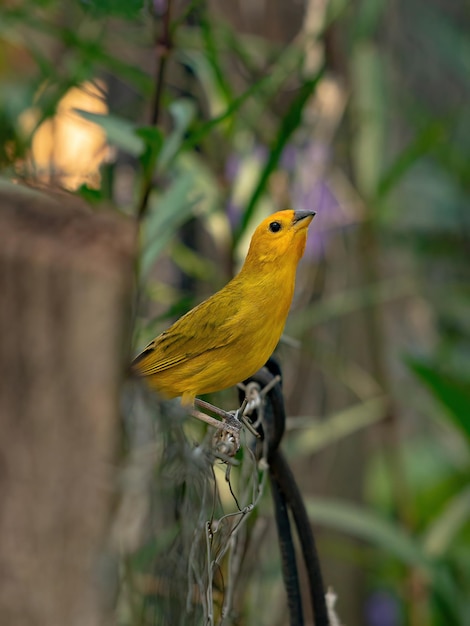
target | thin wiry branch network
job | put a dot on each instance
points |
(192, 532)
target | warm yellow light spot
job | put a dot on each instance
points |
(68, 150)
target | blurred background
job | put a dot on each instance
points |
(199, 118)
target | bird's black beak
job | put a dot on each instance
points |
(302, 215)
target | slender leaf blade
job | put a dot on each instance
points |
(368, 526)
(452, 391)
(447, 524)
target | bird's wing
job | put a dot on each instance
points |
(211, 325)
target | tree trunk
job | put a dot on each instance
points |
(65, 284)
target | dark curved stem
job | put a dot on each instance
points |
(286, 546)
(163, 46)
(280, 469)
(286, 495)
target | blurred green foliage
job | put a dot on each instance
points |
(245, 124)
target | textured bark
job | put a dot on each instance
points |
(65, 282)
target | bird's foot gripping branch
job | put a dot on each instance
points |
(226, 440)
(227, 437)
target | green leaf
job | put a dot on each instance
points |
(119, 131)
(320, 434)
(91, 195)
(213, 56)
(153, 138)
(193, 187)
(192, 263)
(129, 9)
(151, 135)
(232, 108)
(447, 524)
(168, 212)
(368, 526)
(390, 538)
(424, 142)
(266, 87)
(182, 112)
(452, 391)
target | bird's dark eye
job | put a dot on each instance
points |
(275, 227)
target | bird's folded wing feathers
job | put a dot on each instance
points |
(195, 333)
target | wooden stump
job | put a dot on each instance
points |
(65, 284)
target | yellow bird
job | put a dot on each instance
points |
(229, 336)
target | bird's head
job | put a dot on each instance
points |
(281, 236)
